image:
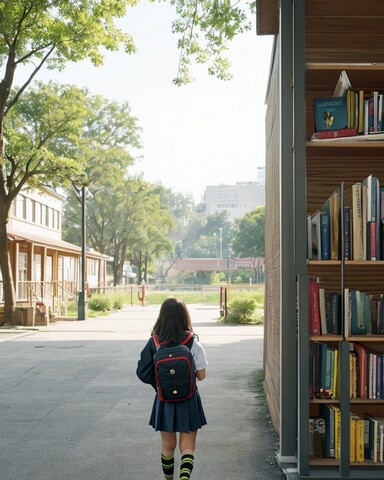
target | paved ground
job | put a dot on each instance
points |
(71, 407)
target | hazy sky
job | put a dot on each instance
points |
(205, 133)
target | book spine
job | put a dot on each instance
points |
(314, 310)
(325, 240)
(347, 212)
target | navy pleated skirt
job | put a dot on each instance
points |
(185, 416)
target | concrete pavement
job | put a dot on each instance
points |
(71, 407)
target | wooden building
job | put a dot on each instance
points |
(314, 41)
(45, 268)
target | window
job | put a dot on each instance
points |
(21, 210)
(37, 213)
(22, 275)
(30, 210)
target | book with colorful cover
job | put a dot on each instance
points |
(330, 113)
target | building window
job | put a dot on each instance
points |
(22, 275)
(37, 213)
(21, 209)
(30, 210)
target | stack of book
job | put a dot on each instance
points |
(363, 314)
(366, 373)
(366, 435)
(323, 230)
(348, 112)
(323, 364)
(324, 310)
(362, 225)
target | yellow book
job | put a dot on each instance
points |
(359, 440)
(335, 376)
(352, 437)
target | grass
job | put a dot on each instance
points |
(208, 297)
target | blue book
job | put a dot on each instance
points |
(325, 241)
(328, 413)
(330, 113)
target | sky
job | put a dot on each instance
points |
(209, 132)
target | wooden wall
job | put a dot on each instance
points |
(272, 250)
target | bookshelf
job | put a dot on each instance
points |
(331, 164)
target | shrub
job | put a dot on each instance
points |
(99, 303)
(241, 309)
(118, 303)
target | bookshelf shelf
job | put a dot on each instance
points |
(337, 165)
(326, 338)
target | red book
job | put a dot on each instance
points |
(314, 308)
(362, 370)
(343, 132)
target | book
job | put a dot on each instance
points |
(358, 437)
(333, 313)
(373, 437)
(314, 308)
(360, 128)
(362, 370)
(316, 437)
(334, 229)
(339, 133)
(342, 86)
(325, 231)
(328, 413)
(357, 222)
(330, 113)
(316, 235)
(323, 313)
(347, 224)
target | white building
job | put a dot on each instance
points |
(237, 199)
(45, 268)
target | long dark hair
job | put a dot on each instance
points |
(173, 322)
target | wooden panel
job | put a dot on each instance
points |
(267, 12)
(352, 8)
(336, 33)
(325, 173)
(272, 254)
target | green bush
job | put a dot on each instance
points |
(100, 303)
(117, 302)
(241, 309)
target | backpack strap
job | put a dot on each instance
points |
(184, 342)
(188, 338)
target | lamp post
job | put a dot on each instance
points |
(221, 242)
(82, 309)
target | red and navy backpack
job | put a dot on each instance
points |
(174, 370)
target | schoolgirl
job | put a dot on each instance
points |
(184, 417)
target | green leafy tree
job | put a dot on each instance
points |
(204, 30)
(34, 33)
(248, 240)
(207, 237)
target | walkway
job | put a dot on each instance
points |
(71, 407)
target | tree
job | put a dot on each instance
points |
(34, 33)
(205, 29)
(248, 240)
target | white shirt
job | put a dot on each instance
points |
(199, 355)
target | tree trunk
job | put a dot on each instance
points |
(6, 270)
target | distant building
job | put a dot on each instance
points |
(236, 199)
(46, 268)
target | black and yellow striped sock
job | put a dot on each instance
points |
(168, 464)
(186, 466)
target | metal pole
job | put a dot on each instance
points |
(82, 302)
(221, 242)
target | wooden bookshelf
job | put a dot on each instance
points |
(330, 164)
